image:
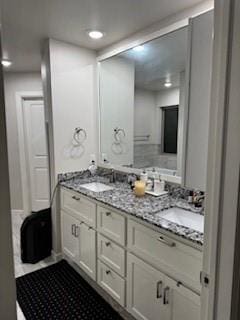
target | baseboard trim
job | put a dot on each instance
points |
(14, 211)
(56, 256)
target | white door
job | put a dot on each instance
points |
(36, 153)
(87, 250)
(183, 303)
(70, 244)
(145, 287)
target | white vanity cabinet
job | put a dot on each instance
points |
(183, 303)
(152, 295)
(145, 286)
(78, 237)
(151, 274)
(87, 249)
(111, 224)
(70, 243)
(173, 257)
(111, 228)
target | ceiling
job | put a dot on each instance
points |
(161, 60)
(26, 23)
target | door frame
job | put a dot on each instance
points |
(222, 203)
(20, 98)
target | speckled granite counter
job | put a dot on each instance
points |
(122, 198)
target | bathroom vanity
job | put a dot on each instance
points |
(147, 263)
(146, 253)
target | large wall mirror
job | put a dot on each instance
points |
(155, 102)
(142, 100)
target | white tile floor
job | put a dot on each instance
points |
(23, 268)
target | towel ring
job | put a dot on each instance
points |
(119, 134)
(79, 136)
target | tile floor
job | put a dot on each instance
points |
(23, 268)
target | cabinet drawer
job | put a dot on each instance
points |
(111, 224)
(112, 283)
(180, 261)
(111, 254)
(79, 207)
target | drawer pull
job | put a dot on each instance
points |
(108, 213)
(159, 289)
(167, 242)
(76, 234)
(165, 295)
(73, 229)
(107, 244)
(75, 198)
(108, 272)
(90, 228)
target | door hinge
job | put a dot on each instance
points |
(204, 279)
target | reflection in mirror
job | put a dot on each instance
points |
(142, 100)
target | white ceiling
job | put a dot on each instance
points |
(26, 23)
(161, 60)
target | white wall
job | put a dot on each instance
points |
(145, 115)
(70, 97)
(168, 97)
(117, 108)
(73, 91)
(16, 82)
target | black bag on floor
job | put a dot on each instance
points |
(36, 236)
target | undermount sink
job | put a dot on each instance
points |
(184, 218)
(96, 187)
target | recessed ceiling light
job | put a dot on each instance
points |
(95, 34)
(138, 48)
(6, 63)
(167, 84)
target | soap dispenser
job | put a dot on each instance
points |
(157, 184)
(162, 184)
(92, 168)
(144, 176)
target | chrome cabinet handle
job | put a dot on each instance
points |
(75, 198)
(166, 295)
(73, 229)
(108, 272)
(108, 243)
(108, 213)
(167, 242)
(76, 231)
(159, 289)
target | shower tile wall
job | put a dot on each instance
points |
(149, 155)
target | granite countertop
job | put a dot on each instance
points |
(122, 198)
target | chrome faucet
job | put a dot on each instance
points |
(111, 175)
(198, 198)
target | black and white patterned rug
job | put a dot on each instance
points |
(59, 292)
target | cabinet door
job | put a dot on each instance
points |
(70, 245)
(145, 291)
(87, 249)
(183, 302)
